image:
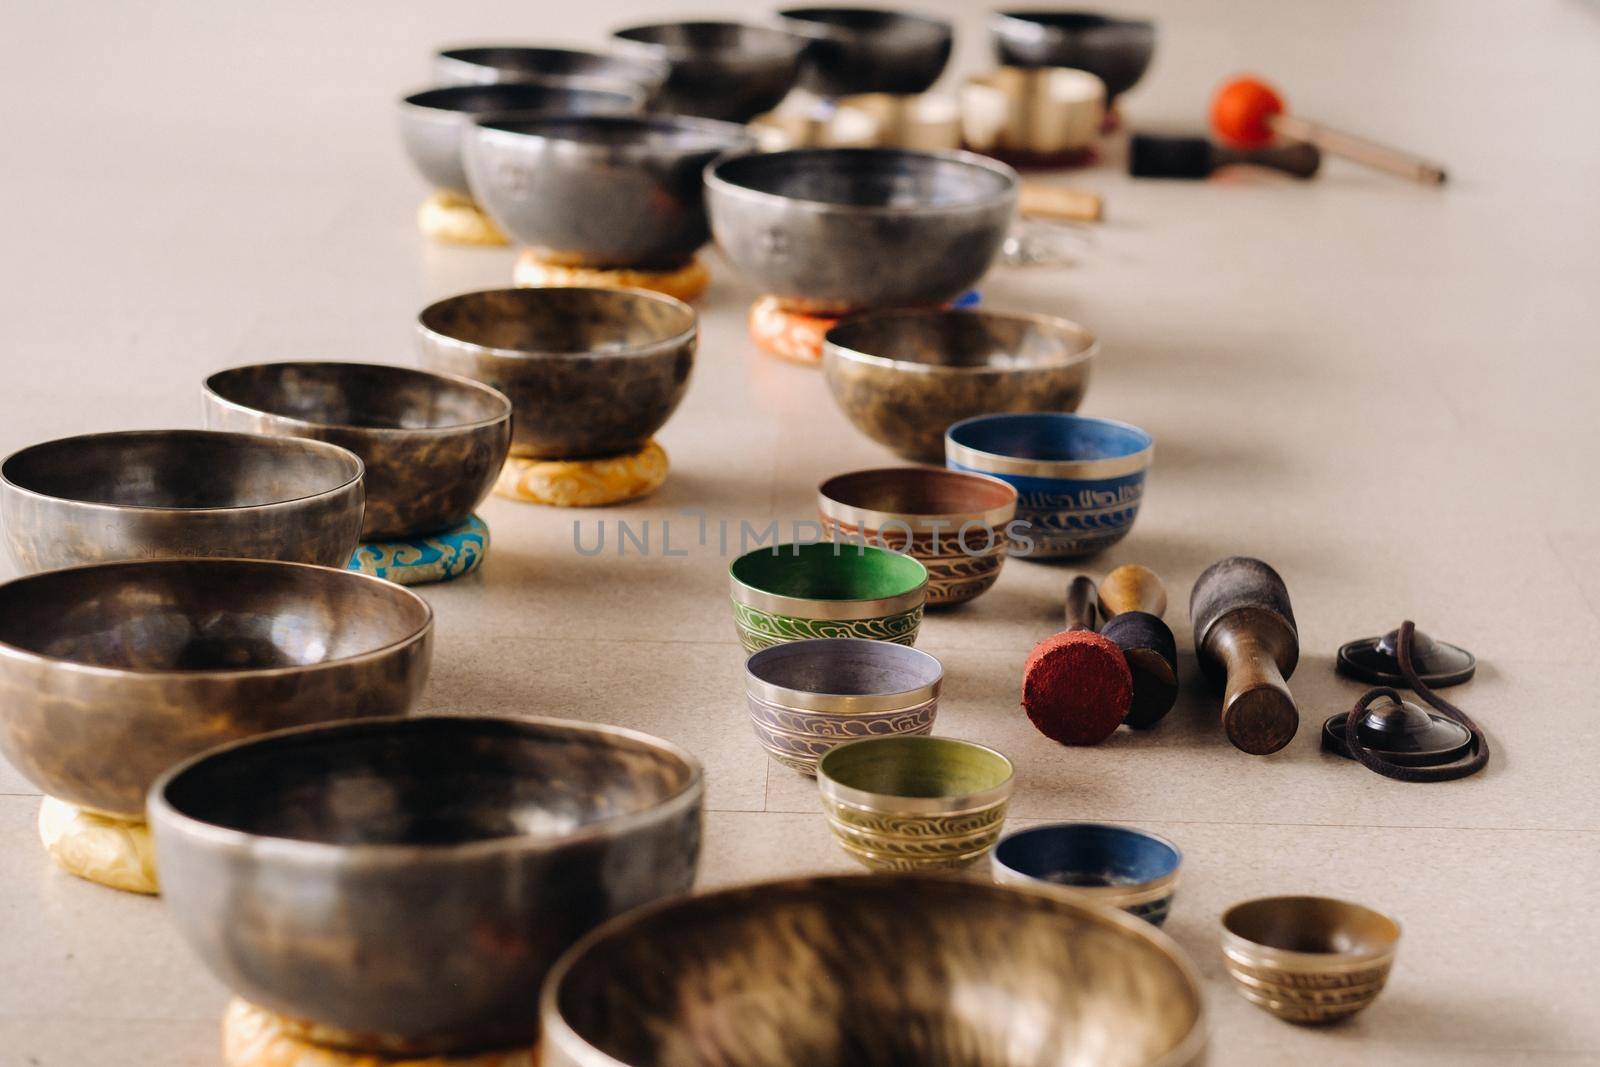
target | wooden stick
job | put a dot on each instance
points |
(1359, 149)
(1058, 202)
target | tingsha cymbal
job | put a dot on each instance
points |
(1402, 732)
(1376, 660)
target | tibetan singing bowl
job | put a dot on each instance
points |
(1079, 480)
(590, 372)
(434, 123)
(912, 803)
(796, 592)
(432, 445)
(1308, 959)
(808, 697)
(602, 191)
(574, 67)
(720, 70)
(903, 377)
(873, 970)
(830, 230)
(1115, 50)
(953, 522)
(111, 673)
(402, 886)
(870, 50)
(148, 494)
(1117, 866)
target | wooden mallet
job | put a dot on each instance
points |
(1249, 113)
(1245, 635)
(1132, 599)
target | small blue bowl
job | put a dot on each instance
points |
(1079, 480)
(1116, 866)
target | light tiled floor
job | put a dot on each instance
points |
(1386, 391)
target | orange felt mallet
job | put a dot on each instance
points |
(1248, 113)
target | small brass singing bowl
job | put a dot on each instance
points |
(402, 886)
(432, 444)
(915, 803)
(111, 673)
(879, 969)
(590, 372)
(1308, 959)
(155, 494)
(809, 697)
(953, 522)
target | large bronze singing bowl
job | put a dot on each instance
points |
(405, 884)
(833, 230)
(903, 377)
(110, 674)
(599, 190)
(433, 445)
(149, 494)
(590, 372)
(888, 970)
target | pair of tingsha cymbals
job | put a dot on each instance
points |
(1399, 731)
(1078, 686)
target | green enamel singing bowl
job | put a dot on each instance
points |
(796, 592)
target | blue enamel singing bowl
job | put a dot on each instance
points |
(1116, 866)
(1079, 479)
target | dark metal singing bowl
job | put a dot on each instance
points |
(494, 64)
(434, 123)
(886, 969)
(720, 70)
(1115, 50)
(432, 444)
(111, 673)
(590, 372)
(147, 494)
(600, 191)
(837, 229)
(870, 50)
(903, 377)
(405, 884)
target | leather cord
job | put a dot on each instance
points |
(1473, 762)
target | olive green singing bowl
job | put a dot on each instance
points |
(915, 803)
(796, 592)
(887, 970)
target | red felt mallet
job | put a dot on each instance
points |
(1076, 686)
(1248, 113)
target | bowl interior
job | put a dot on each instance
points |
(524, 96)
(428, 781)
(204, 615)
(865, 20)
(1317, 925)
(1050, 436)
(916, 767)
(707, 38)
(970, 339)
(667, 136)
(921, 491)
(561, 322)
(559, 62)
(359, 396)
(180, 469)
(1087, 854)
(869, 178)
(897, 971)
(845, 667)
(829, 571)
(1076, 22)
